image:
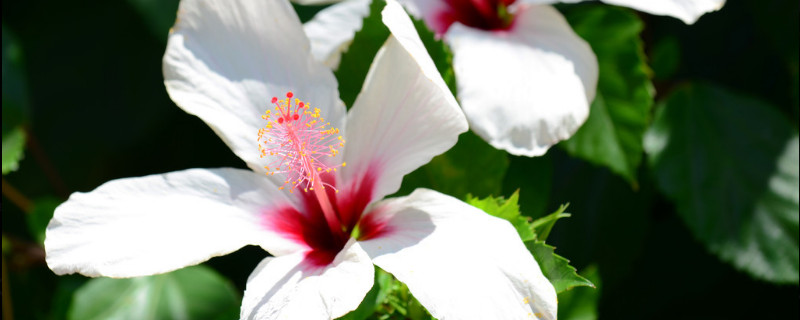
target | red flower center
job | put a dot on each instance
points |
(481, 14)
(296, 145)
(307, 225)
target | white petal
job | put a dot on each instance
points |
(404, 115)
(686, 10)
(526, 89)
(458, 261)
(159, 223)
(332, 29)
(427, 10)
(286, 288)
(225, 60)
(314, 2)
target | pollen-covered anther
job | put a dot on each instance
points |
(295, 139)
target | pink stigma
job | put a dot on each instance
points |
(297, 142)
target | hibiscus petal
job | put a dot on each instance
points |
(686, 10)
(528, 88)
(314, 2)
(428, 11)
(332, 29)
(458, 261)
(225, 60)
(404, 115)
(288, 288)
(154, 224)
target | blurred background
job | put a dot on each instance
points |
(84, 103)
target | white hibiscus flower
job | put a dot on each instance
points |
(225, 61)
(525, 79)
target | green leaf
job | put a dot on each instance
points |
(581, 303)
(13, 149)
(196, 292)
(556, 268)
(730, 163)
(533, 177)
(40, 215)
(15, 103)
(15, 89)
(612, 135)
(543, 225)
(356, 61)
(665, 57)
(471, 166)
(395, 301)
(507, 209)
(158, 15)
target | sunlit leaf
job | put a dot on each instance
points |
(581, 303)
(13, 149)
(394, 301)
(556, 268)
(730, 163)
(612, 135)
(542, 226)
(507, 209)
(195, 292)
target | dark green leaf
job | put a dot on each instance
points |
(15, 89)
(356, 61)
(507, 209)
(196, 292)
(40, 215)
(581, 303)
(665, 58)
(607, 215)
(556, 268)
(730, 163)
(158, 15)
(13, 149)
(62, 296)
(612, 135)
(533, 178)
